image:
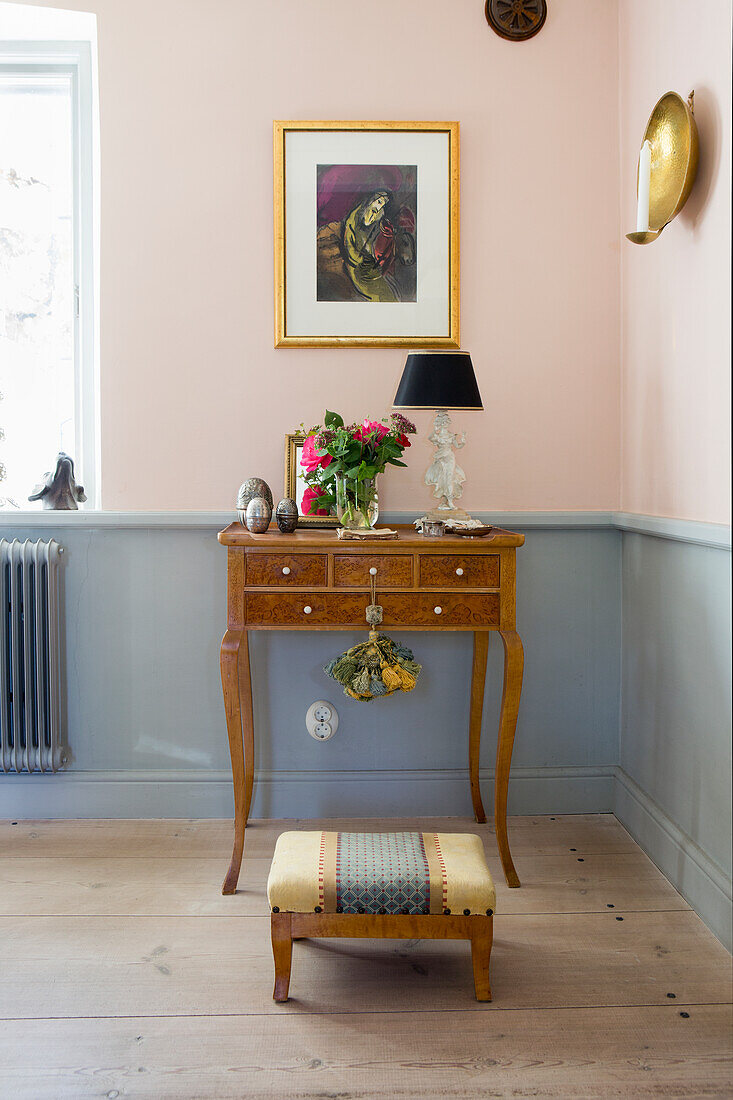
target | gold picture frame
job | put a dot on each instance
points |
(284, 337)
(293, 446)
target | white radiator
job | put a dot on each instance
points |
(30, 736)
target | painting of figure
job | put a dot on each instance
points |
(366, 237)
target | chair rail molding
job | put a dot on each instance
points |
(680, 530)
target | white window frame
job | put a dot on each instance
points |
(75, 59)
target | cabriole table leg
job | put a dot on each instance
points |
(513, 671)
(237, 688)
(478, 682)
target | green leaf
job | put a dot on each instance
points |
(333, 420)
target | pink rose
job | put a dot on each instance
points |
(371, 426)
(311, 495)
(309, 459)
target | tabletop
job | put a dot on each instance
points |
(407, 538)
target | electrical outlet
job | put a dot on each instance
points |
(321, 720)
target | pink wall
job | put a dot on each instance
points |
(675, 305)
(194, 397)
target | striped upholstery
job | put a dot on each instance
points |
(405, 873)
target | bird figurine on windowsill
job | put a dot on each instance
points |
(58, 490)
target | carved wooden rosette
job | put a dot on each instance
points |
(516, 20)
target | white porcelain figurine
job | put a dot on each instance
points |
(444, 473)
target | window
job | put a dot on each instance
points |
(47, 277)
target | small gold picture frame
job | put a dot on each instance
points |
(366, 234)
(295, 484)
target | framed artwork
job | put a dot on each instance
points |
(295, 484)
(366, 234)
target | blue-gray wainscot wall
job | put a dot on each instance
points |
(626, 707)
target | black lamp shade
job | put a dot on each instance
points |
(438, 380)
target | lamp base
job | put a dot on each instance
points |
(448, 514)
(444, 473)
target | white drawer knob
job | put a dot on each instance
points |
(286, 570)
(438, 610)
(459, 572)
(307, 609)
(373, 570)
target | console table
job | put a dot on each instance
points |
(310, 580)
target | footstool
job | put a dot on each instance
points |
(393, 885)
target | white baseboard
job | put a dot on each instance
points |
(300, 794)
(703, 884)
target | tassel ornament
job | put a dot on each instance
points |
(375, 668)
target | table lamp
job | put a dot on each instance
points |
(441, 380)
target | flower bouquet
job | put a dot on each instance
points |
(342, 462)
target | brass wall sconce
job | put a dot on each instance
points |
(667, 166)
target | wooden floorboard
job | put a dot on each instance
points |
(108, 966)
(629, 1052)
(145, 886)
(171, 839)
(125, 973)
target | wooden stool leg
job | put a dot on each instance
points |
(481, 954)
(282, 952)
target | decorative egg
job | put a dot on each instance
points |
(248, 490)
(258, 515)
(286, 515)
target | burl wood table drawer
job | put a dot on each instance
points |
(459, 570)
(353, 570)
(307, 609)
(440, 610)
(268, 570)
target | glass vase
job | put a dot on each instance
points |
(357, 502)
